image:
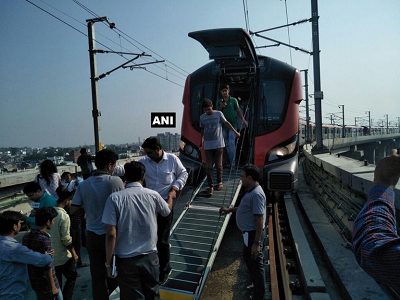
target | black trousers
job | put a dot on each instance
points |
(163, 229)
(138, 277)
(102, 285)
(255, 266)
(75, 233)
(69, 271)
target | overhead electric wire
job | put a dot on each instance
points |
(246, 15)
(287, 22)
(83, 33)
(37, 6)
(125, 34)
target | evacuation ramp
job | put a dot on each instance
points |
(196, 237)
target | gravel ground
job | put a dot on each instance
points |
(228, 278)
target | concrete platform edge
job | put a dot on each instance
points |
(353, 282)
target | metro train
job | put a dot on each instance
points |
(274, 91)
(336, 131)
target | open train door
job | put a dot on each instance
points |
(234, 53)
(227, 46)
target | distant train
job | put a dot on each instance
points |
(336, 131)
(274, 91)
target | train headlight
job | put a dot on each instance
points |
(282, 151)
(188, 149)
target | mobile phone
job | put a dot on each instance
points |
(113, 267)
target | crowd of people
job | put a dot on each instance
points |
(70, 213)
(123, 216)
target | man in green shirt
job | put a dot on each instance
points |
(40, 199)
(230, 108)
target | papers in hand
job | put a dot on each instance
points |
(246, 239)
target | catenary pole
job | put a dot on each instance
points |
(318, 94)
(93, 79)
(369, 120)
(343, 128)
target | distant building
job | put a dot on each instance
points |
(72, 156)
(169, 141)
(57, 160)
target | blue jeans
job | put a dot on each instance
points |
(230, 139)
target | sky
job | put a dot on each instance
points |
(45, 91)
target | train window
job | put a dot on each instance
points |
(271, 105)
(200, 91)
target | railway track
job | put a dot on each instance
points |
(292, 272)
(284, 280)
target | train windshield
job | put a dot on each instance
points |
(200, 91)
(271, 107)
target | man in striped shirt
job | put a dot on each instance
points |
(43, 279)
(376, 243)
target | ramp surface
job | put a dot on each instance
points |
(196, 237)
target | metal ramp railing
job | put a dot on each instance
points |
(196, 237)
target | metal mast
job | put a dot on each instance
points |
(93, 79)
(318, 95)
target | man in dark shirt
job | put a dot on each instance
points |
(43, 280)
(85, 162)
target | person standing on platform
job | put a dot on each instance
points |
(43, 280)
(85, 162)
(211, 123)
(15, 257)
(230, 108)
(376, 242)
(64, 252)
(49, 179)
(250, 218)
(92, 194)
(70, 184)
(34, 192)
(131, 218)
(166, 175)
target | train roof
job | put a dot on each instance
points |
(227, 44)
(233, 49)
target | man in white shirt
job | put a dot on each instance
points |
(166, 175)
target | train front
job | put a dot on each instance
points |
(273, 90)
